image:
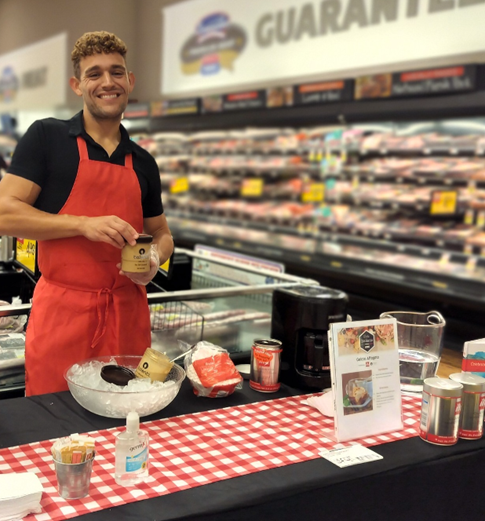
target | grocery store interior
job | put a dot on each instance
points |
(320, 161)
(355, 177)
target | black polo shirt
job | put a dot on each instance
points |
(48, 155)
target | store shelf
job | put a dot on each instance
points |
(411, 109)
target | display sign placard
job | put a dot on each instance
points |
(364, 366)
(280, 97)
(137, 110)
(25, 251)
(249, 100)
(177, 107)
(426, 82)
(323, 92)
(215, 263)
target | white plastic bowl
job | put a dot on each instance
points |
(117, 404)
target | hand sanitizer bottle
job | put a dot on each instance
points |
(131, 453)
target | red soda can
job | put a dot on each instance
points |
(265, 365)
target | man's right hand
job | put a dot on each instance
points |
(109, 229)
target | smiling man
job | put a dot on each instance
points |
(83, 189)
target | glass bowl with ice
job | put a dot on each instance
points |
(142, 395)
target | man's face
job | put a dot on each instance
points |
(104, 85)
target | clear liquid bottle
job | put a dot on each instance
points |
(131, 453)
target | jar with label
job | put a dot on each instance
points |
(154, 365)
(472, 405)
(440, 411)
(136, 259)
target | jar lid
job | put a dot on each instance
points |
(442, 387)
(144, 238)
(470, 382)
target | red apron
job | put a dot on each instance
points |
(82, 308)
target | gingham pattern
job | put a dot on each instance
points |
(196, 449)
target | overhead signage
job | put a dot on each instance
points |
(444, 80)
(34, 77)
(280, 97)
(137, 110)
(323, 92)
(249, 100)
(177, 107)
(213, 46)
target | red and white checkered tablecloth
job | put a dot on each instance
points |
(197, 449)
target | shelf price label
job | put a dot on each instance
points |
(313, 193)
(480, 219)
(179, 185)
(443, 202)
(252, 187)
(469, 216)
(26, 253)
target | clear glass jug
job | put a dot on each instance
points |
(420, 341)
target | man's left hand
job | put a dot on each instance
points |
(144, 278)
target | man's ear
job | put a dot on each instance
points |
(131, 80)
(74, 84)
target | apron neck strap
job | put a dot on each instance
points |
(83, 148)
(83, 153)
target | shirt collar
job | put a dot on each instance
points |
(76, 128)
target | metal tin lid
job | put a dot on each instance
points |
(442, 387)
(268, 343)
(470, 382)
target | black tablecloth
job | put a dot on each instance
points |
(415, 480)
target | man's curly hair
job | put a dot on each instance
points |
(96, 42)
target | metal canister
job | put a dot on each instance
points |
(440, 411)
(265, 365)
(472, 405)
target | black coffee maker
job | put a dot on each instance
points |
(300, 320)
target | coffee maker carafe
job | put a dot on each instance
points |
(300, 320)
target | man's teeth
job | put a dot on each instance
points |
(109, 96)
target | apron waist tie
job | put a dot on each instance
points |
(104, 298)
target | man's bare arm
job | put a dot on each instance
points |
(18, 218)
(162, 237)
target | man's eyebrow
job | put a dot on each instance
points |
(97, 68)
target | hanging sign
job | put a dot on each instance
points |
(364, 366)
(34, 77)
(213, 46)
(323, 92)
(445, 80)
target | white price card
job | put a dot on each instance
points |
(348, 456)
